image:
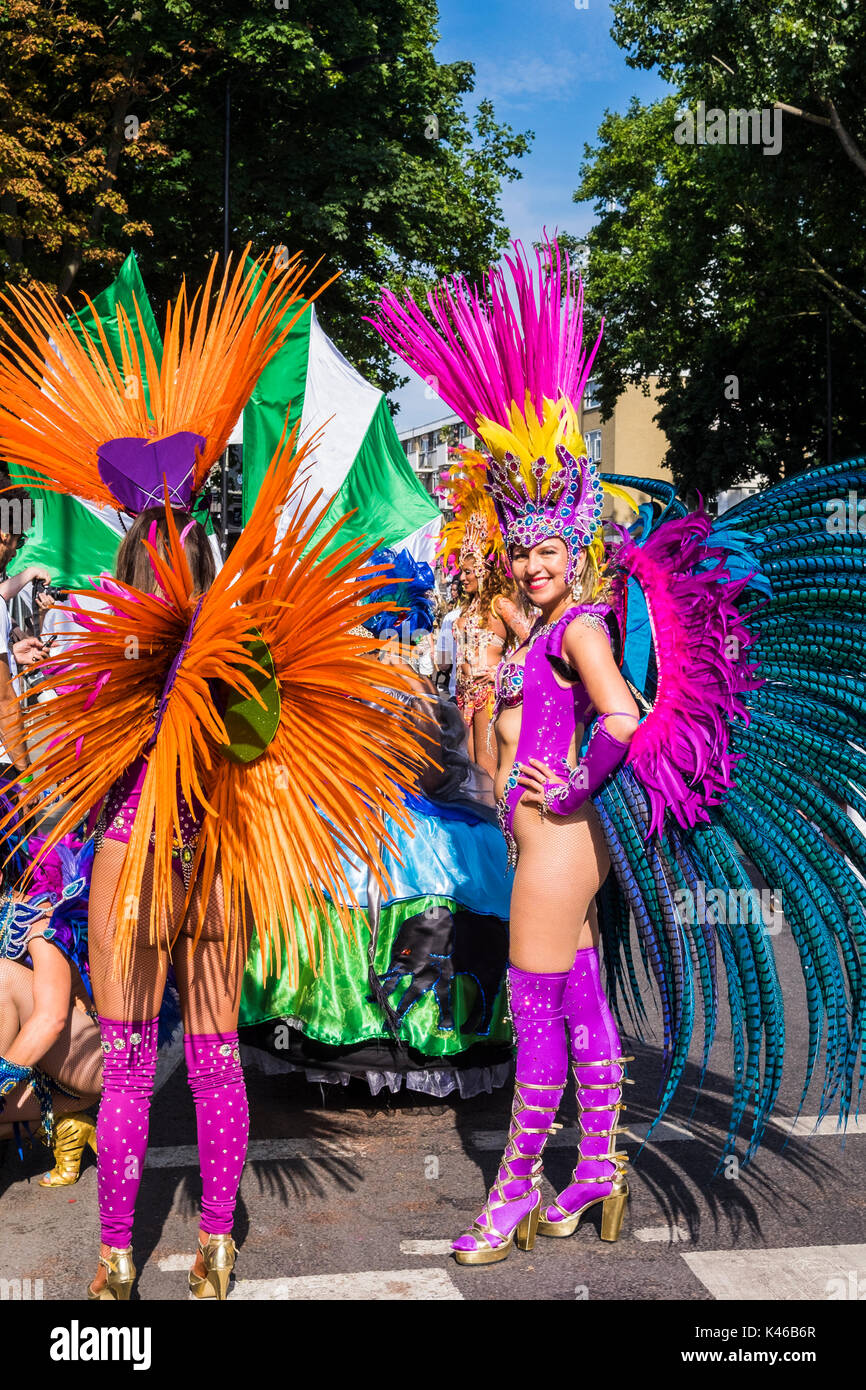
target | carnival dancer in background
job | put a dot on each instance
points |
(492, 618)
(186, 700)
(13, 749)
(703, 628)
(50, 1053)
(415, 995)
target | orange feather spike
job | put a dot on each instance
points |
(60, 401)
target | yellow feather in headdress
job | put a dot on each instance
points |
(469, 499)
(530, 439)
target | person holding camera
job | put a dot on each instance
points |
(13, 654)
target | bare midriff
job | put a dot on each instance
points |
(479, 649)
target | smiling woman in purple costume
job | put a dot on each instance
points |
(747, 754)
(562, 681)
(518, 380)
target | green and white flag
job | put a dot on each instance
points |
(358, 461)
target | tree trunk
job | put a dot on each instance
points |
(14, 244)
(112, 159)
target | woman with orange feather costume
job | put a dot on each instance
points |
(194, 708)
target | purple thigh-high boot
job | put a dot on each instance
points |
(128, 1068)
(541, 1071)
(599, 1074)
(216, 1079)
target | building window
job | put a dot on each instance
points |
(592, 439)
(591, 396)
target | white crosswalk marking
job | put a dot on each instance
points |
(418, 1285)
(425, 1247)
(171, 1264)
(810, 1127)
(259, 1151)
(672, 1234)
(818, 1272)
(667, 1132)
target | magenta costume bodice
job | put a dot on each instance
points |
(551, 712)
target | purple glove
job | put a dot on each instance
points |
(603, 754)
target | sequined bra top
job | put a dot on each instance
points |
(510, 675)
(509, 686)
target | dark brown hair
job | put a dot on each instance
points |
(133, 563)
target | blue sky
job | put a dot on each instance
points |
(550, 67)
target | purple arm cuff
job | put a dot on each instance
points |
(603, 754)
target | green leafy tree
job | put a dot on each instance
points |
(349, 141)
(70, 75)
(719, 267)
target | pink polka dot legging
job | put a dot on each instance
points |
(209, 984)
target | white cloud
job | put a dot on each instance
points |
(542, 79)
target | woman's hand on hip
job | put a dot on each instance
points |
(533, 778)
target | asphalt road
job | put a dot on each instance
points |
(346, 1196)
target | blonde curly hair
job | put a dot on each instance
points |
(494, 582)
(596, 581)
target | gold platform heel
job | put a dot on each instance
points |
(72, 1135)
(613, 1207)
(614, 1204)
(524, 1236)
(219, 1257)
(120, 1279)
(484, 1231)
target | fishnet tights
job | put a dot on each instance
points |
(208, 978)
(75, 1059)
(562, 865)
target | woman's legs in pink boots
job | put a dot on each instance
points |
(541, 1071)
(599, 1072)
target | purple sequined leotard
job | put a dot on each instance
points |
(551, 712)
(118, 811)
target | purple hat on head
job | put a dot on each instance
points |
(138, 470)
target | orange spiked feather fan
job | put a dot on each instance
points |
(61, 400)
(275, 826)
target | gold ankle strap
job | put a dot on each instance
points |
(605, 1062)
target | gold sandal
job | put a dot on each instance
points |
(72, 1135)
(219, 1257)
(614, 1203)
(484, 1230)
(120, 1277)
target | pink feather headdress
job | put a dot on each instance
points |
(509, 358)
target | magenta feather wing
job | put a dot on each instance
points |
(681, 751)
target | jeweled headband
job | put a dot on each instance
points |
(568, 508)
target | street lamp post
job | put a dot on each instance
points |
(829, 389)
(224, 469)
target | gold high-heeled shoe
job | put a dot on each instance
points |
(120, 1276)
(612, 1209)
(523, 1235)
(491, 1244)
(613, 1205)
(219, 1257)
(72, 1135)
